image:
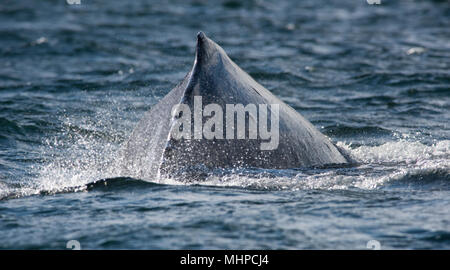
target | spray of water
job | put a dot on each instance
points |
(89, 149)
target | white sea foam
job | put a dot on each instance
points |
(87, 160)
(399, 151)
(378, 165)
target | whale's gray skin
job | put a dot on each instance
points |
(151, 151)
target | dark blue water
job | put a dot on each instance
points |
(75, 79)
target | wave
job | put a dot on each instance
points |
(351, 131)
(111, 184)
(402, 151)
(89, 166)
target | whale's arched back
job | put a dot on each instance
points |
(152, 150)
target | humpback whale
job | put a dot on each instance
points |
(218, 116)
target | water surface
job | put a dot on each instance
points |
(75, 80)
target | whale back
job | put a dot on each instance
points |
(215, 79)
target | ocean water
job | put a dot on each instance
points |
(75, 80)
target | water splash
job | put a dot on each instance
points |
(89, 149)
